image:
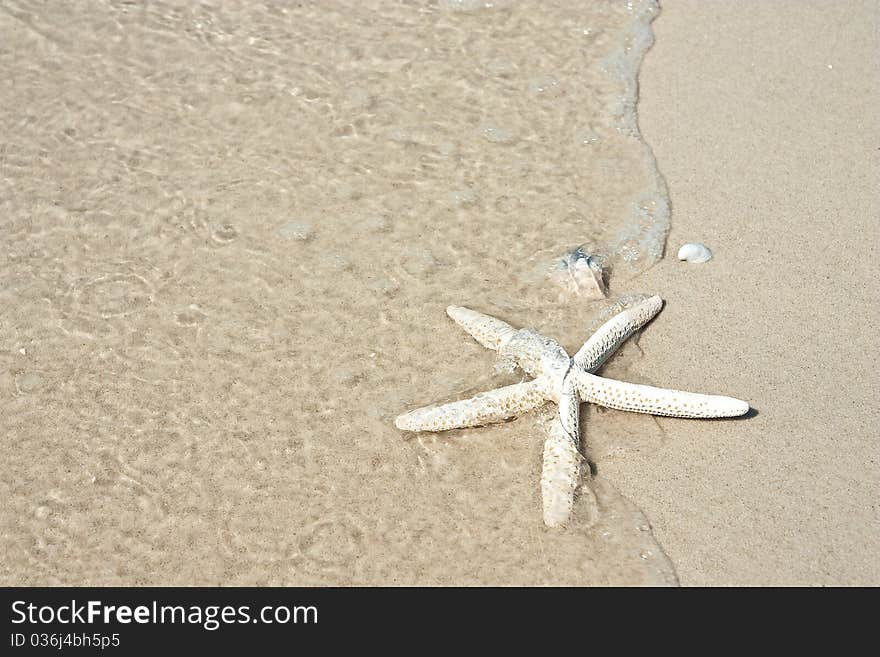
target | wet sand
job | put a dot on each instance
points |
(231, 234)
(762, 117)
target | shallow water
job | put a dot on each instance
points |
(230, 232)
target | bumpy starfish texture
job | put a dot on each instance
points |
(565, 381)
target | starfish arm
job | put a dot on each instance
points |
(614, 332)
(570, 411)
(487, 407)
(489, 331)
(560, 475)
(655, 401)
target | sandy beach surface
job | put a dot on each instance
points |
(762, 117)
(231, 231)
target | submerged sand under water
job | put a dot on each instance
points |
(230, 233)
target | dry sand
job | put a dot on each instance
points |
(763, 119)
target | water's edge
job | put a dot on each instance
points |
(652, 214)
(648, 225)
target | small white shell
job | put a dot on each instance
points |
(694, 253)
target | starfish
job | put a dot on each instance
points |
(565, 381)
